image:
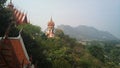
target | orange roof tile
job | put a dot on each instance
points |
(19, 50)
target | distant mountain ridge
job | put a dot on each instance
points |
(83, 32)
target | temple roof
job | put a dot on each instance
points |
(51, 23)
(18, 50)
(20, 17)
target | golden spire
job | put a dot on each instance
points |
(10, 1)
(51, 19)
(51, 23)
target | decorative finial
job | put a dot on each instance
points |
(10, 1)
(10, 5)
(51, 19)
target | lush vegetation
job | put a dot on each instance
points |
(65, 52)
(106, 51)
(61, 51)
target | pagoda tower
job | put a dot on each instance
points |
(50, 29)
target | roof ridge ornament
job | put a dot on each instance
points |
(10, 1)
(51, 19)
(10, 5)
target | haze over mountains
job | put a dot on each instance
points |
(83, 32)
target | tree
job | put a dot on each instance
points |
(30, 33)
(2, 2)
(115, 55)
(98, 52)
(59, 33)
(6, 18)
(61, 63)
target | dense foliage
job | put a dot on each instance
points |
(7, 20)
(61, 51)
(65, 52)
(106, 51)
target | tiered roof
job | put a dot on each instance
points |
(20, 17)
(51, 23)
(14, 53)
(12, 49)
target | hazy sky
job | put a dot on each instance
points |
(101, 14)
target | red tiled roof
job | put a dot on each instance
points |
(17, 52)
(18, 49)
(20, 16)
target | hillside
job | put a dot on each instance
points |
(86, 33)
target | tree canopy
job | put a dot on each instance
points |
(60, 51)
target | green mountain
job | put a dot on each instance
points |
(83, 32)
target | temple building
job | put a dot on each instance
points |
(50, 29)
(13, 53)
(20, 17)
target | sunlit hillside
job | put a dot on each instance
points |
(24, 44)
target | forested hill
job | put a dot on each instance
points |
(65, 52)
(86, 33)
(61, 51)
